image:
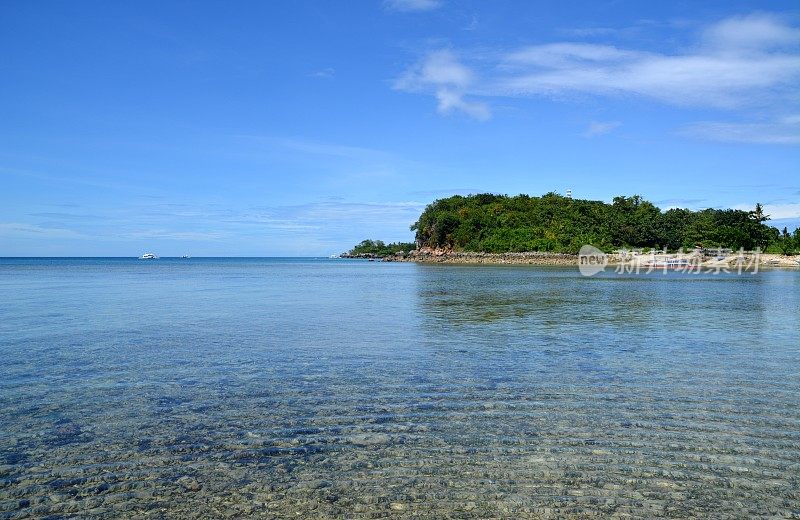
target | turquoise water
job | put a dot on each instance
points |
(348, 389)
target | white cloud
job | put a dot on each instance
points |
(438, 68)
(783, 211)
(738, 64)
(326, 73)
(597, 128)
(567, 55)
(782, 131)
(441, 73)
(412, 5)
(721, 76)
(755, 31)
(452, 100)
(776, 211)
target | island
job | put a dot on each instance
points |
(378, 249)
(552, 228)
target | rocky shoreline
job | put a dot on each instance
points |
(464, 257)
(443, 256)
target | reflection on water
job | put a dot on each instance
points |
(330, 389)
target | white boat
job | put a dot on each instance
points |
(186, 256)
(148, 256)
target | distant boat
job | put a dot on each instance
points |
(148, 256)
(186, 256)
(334, 256)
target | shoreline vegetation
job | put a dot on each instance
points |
(549, 230)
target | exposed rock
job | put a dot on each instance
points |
(748, 261)
(428, 255)
(189, 484)
(369, 439)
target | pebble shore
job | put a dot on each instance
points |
(462, 257)
(441, 256)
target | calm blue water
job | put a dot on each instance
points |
(331, 388)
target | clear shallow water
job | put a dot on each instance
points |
(348, 389)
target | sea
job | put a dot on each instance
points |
(330, 388)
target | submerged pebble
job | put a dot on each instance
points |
(420, 392)
(189, 484)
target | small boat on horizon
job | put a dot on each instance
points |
(148, 256)
(186, 256)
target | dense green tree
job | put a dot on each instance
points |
(762, 235)
(378, 248)
(499, 223)
(787, 244)
(634, 221)
(672, 231)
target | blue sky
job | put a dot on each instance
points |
(300, 128)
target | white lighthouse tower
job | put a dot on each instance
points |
(569, 194)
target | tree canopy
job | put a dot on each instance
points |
(501, 223)
(379, 249)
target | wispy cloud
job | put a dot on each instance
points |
(782, 131)
(308, 228)
(679, 203)
(327, 214)
(310, 148)
(597, 128)
(326, 73)
(776, 211)
(24, 230)
(334, 150)
(79, 217)
(472, 24)
(406, 6)
(441, 73)
(76, 180)
(446, 192)
(584, 32)
(639, 29)
(167, 234)
(754, 32)
(334, 225)
(739, 64)
(340, 164)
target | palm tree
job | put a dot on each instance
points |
(758, 213)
